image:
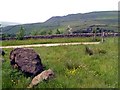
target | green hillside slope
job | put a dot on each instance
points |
(79, 20)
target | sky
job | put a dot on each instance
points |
(32, 11)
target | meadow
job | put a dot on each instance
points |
(0, 75)
(47, 41)
(72, 66)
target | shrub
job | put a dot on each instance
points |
(20, 34)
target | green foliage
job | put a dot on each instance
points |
(43, 33)
(34, 32)
(20, 33)
(109, 18)
(5, 35)
(58, 32)
(72, 67)
(50, 32)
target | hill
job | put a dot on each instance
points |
(76, 21)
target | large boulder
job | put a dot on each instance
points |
(26, 60)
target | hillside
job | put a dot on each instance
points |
(76, 21)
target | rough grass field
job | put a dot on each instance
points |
(47, 41)
(0, 75)
(72, 66)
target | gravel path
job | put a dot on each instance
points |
(48, 45)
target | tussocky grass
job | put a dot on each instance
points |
(72, 66)
(47, 41)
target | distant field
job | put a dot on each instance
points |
(72, 66)
(46, 41)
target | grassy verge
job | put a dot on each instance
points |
(0, 75)
(72, 66)
(46, 41)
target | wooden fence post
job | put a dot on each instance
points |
(114, 37)
(103, 35)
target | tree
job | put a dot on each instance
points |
(58, 32)
(34, 32)
(20, 34)
(50, 32)
(43, 32)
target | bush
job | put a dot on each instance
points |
(20, 34)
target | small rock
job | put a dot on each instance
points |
(88, 50)
(45, 75)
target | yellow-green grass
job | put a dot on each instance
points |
(0, 75)
(46, 41)
(72, 66)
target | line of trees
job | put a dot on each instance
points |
(46, 32)
(21, 33)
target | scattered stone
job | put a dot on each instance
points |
(45, 75)
(88, 50)
(26, 60)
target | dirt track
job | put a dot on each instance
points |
(48, 45)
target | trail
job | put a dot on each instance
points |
(49, 45)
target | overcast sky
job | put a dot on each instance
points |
(31, 11)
